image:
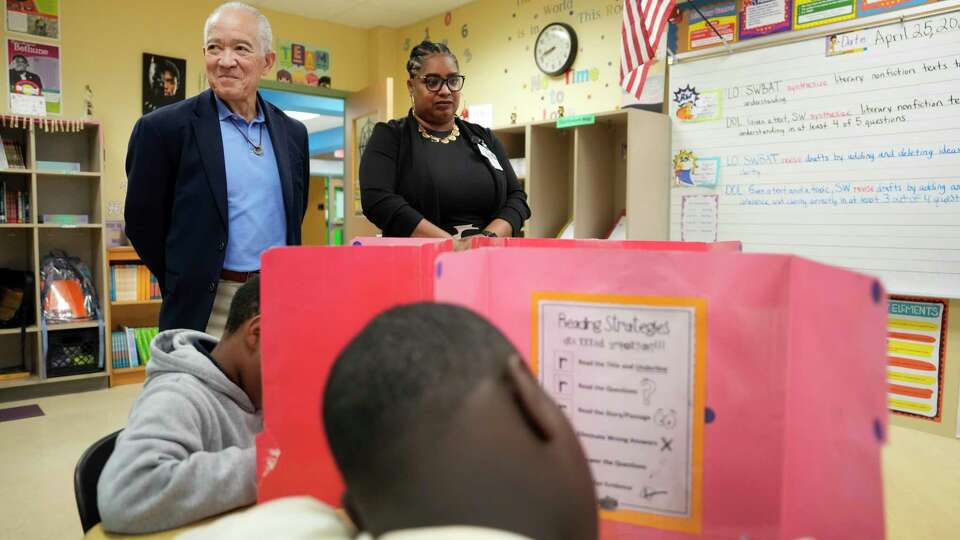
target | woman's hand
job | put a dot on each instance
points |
(425, 229)
(500, 227)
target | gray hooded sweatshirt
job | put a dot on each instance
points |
(188, 450)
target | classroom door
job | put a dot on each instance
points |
(363, 110)
(314, 228)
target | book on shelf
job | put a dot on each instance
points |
(14, 205)
(13, 152)
(58, 166)
(132, 283)
(131, 346)
(121, 359)
(65, 219)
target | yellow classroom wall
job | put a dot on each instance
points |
(382, 44)
(494, 41)
(103, 42)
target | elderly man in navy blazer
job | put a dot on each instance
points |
(217, 179)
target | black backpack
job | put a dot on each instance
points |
(17, 306)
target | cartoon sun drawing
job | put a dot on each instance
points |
(686, 98)
(684, 163)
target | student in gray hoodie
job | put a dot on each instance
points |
(188, 450)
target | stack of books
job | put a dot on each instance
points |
(131, 346)
(13, 155)
(132, 283)
(14, 205)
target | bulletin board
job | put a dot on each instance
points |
(744, 20)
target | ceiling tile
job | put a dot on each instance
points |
(363, 13)
(364, 16)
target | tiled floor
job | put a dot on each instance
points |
(37, 457)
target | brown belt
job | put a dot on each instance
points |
(239, 277)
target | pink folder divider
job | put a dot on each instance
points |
(314, 301)
(391, 241)
(648, 245)
(795, 384)
(795, 379)
(483, 241)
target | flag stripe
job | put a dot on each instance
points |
(631, 38)
(641, 36)
(644, 22)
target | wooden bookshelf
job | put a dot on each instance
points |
(134, 314)
(55, 327)
(24, 245)
(121, 376)
(594, 172)
(136, 303)
(16, 331)
(123, 254)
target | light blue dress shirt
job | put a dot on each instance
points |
(254, 196)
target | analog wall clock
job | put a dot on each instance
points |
(556, 48)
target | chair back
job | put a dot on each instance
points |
(85, 478)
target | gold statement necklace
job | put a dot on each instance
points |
(452, 136)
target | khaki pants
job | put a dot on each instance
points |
(221, 307)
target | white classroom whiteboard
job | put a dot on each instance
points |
(849, 159)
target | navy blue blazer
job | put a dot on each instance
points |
(176, 208)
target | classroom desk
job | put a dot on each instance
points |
(97, 532)
(921, 482)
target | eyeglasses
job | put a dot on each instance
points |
(435, 82)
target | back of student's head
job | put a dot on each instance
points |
(408, 361)
(244, 306)
(433, 419)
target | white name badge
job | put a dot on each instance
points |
(491, 157)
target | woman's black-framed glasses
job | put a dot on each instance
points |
(435, 82)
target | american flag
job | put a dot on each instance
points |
(643, 24)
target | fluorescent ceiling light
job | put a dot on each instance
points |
(301, 116)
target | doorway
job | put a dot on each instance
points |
(321, 110)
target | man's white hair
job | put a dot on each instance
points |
(264, 31)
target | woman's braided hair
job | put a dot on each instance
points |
(425, 49)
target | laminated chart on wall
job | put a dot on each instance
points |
(629, 373)
(844, 149)
(915, 343)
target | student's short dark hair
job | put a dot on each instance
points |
(20, 56)
(424, 50)
(244, 306)
(409, 369)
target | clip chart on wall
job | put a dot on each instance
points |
(844, 149)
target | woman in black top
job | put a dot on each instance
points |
(430, 172)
